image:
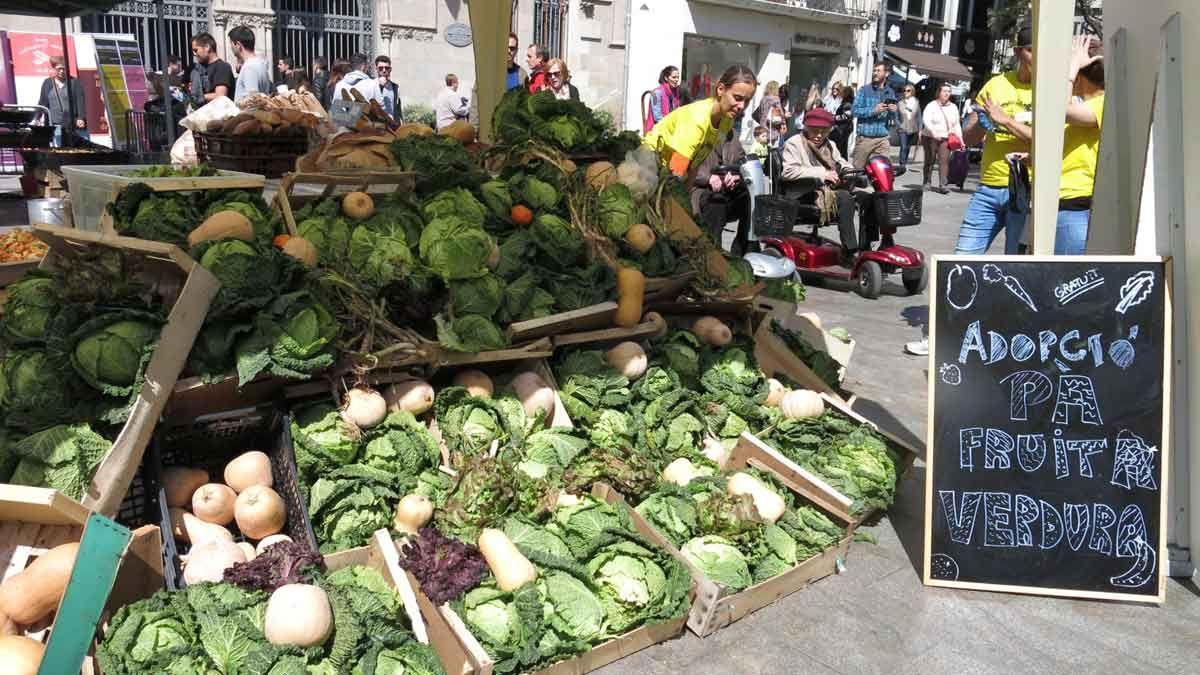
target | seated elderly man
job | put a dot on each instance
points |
(810, 155)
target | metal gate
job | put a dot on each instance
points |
(550, 25)
(183, 18)
(335, 29)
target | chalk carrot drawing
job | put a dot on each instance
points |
(993, 275)
(1135, 290)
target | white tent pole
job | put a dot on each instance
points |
(1052, 22)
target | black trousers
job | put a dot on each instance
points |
(848, 233)
(719, 208)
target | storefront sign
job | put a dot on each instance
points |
(1047, 457)
(913, 35)
(974, 47)
(821, 41)
(123, 78)
(458, 34)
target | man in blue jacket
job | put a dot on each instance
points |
(874, 108)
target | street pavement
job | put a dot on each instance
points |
(876, 616)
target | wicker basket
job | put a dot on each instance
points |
(210, 443)
(899, 208)
(271, 156)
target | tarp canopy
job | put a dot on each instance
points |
(58, 8)
(490, 24)
(936, 65)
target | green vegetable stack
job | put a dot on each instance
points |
(74, 345)
(568, 126)
(222, 628)
(819, 362)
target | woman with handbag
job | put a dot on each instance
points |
(942, 135)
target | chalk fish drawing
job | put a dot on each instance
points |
(1073, 288)
(1135, 290)
(942, 566)
(993, 275)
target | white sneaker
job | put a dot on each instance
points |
(917, 347)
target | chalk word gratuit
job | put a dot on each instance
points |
(1069, 290)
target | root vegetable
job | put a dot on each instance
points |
(680, 472)
(358, 205)
(412, 513)
(629, 358)
(364, 407)
(476, 382)
(222, 225)
(631, 290)
(213, 503)
(716, 451)
(181, 482)
(640, 237)
(269, 541)
(208, 561)
(248, 550)
(259, 512)
(414, 396)
(776, 393)
(247, 469)
(712, 330)
(20, 655)
(534, 394)
(34, 593)
(298, 614)
(511, 569)
(769, 505)
(660, 324)
(301, 249)
(802, 403)
(600, 175)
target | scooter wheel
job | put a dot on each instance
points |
(915, 280)
(870, 279)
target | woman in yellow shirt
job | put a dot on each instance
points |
(688, 135)
(1081, 144)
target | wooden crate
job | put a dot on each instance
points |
(93, 187)
(34, 520)
(593, 659)
(775, 357)
(314, 186)
(188, 289)
(808, 325)
(714, 606)
(753, 452)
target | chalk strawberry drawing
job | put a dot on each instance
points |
(1135, 290)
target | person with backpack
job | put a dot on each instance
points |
(664, 99)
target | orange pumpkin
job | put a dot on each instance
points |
(521, 215)
(280, 240)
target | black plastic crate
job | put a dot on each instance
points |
(209, 443)
(898, 208)
(774, 216)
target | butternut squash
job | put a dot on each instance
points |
(298, 614)
(249, 469)
(20, 655)
(534, 394)
(222, 225)
(769, 505)
(660, 324)
(776, 392)
(213, 503)
(414, 396)
(34, 593)
(629, 359)
(511, 569)
(181, 482)
(476, 382)
(631, 291)
(301, 249)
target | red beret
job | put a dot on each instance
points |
(818, 117)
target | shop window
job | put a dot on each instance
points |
(916, 9)
(937, 11)
(705, 58)
(895, 6)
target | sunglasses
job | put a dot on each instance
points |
(513, 48)
(554, 73)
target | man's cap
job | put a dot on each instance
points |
(818, 117)
(1025, 35)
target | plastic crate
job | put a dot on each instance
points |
(774, 216)
(209, 443)
(92, 187)
(898, 208)
(271, 156)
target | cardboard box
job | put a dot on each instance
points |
(596, 657)
(187, 289)
(808, 325)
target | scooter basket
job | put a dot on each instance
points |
(774, 216)
(898, 208)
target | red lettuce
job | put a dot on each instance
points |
(446, 568)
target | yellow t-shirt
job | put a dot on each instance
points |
(1016, 98)
(688, 130)
(1081, 151)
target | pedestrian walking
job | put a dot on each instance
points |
(910, 123)
(63, 96)
(319, 82)
(450, 106)
(941, 135)
(254, 74)
(665, 98)
(843, 117)
(833, 100)
(388, 90)
(558, 81)
(770, 107)
(211, 77)
(536, 57)
(515, 75)
(874, 110)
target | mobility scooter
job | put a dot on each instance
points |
(779, 221)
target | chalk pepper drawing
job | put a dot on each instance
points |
(993, 275)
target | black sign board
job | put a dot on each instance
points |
(1049, 425)
(913, 35)
(972, 46)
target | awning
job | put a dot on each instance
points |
(57, 8)
(937, 65)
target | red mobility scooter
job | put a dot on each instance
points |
(779, 221)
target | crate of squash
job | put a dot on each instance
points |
(263, 141)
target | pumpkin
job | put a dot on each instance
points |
(461, 131)
(358, 205)
(298, 614)
(640, 237)
(600, 175)
(712, 331)
(280, 240)
(802, 403)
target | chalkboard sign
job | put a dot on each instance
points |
(1048, 432)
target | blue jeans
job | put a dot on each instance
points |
(58, 135)
(1071, 235)
(906, 142)
(986, 215)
